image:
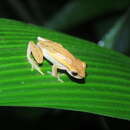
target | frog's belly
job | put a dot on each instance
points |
(52, 60)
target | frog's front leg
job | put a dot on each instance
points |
(34, 50)
(55, 72)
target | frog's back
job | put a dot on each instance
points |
(57, 49)
(58, 55)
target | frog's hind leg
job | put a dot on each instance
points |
(34, 50)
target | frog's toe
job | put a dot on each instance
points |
(60, 80)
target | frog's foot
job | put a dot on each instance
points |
(36, 67)
(57, 76)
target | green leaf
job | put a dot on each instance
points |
(106, 90)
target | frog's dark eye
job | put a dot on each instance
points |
(74, 73)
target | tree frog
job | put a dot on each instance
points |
(60, 58)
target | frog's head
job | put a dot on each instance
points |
(77, 70)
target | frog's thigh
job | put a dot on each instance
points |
(32, 49)
(36, 52)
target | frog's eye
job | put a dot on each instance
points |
(74, 73)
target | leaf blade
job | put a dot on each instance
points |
(105, 92)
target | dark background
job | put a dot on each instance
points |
(42, 13)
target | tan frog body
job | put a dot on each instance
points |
(60, 57)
